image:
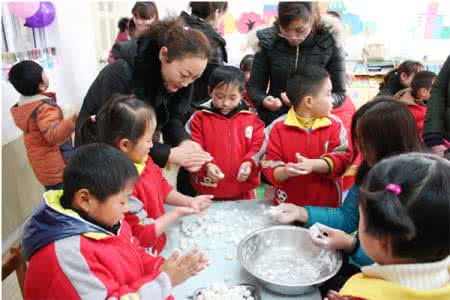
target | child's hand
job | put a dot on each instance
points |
(333, 295)
(181, 211)
(201, 202)
(330, 238)
(179, 268)
(439, 150)
(214, 172)
(304, 164)
(286, 213)
(292, 170)
(244, 171)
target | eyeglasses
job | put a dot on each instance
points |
(298, 37)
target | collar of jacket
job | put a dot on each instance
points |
(23, 100)
(293, 121)
(53, 200)
(421, 276)
(140, 166)
(208, 106)
(406, 97)
(199, 23)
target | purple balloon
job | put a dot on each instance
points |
(43, 17)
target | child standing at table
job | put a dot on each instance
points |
(307, 149)
(233, 136)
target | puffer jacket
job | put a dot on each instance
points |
(276, 60)
(44, 130)
(217, 57)
(437, 121)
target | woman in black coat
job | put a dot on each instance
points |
(207, 17)
(298, 37)
(168, 58)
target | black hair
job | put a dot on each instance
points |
(204, 9)
(422, 79)
(306, 11)
(123, 24)
(145, 10)
(408, 67)
(308, 81)
(99, 168)
(417, 220)
(247, 63)
(387, 128)
(122, 116)
(227, 75)
(131, 27)
(26, 76)
(180, 40)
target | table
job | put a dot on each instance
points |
(218, 249)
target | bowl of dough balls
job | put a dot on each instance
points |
(285, 260)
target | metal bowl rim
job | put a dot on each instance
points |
(284, 227)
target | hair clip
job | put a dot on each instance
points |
(186, 28)
(394, 188)
(93, 118)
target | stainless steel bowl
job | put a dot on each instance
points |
(297, 263)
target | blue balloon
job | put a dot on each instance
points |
(43, 17)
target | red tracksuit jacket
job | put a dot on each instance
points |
(327, 138)
(71, 258)
(231, 140)
(147, 205)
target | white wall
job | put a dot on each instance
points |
(72, 33)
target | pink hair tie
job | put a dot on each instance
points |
(394, 188)
(93, 118)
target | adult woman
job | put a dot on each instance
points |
(380, 128)
(207, 17)
(297, 38)
(169, 58)
(437, 123)
(399, 78)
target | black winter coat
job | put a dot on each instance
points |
(277, 60)
(217, 57)
(138, 71)
(437, 122)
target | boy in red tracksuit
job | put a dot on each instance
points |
(79, 246)
(417, 95)
(233, 136)
(307, 149)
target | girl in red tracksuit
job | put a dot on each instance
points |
(233, 136)
(128, 124)
(307, 149)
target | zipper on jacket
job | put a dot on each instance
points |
(296, 58)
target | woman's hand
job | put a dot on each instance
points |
(272, 103)
(189, 155)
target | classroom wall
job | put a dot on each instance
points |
(70, 78)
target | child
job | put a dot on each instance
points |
(231, 134)
(307, 149)
(404, 227)
(79, 246)
(128, 124)
(399, 78)
(246, 67)
(416, 96)
(374, 138)
(46, 132)
(144, 14)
